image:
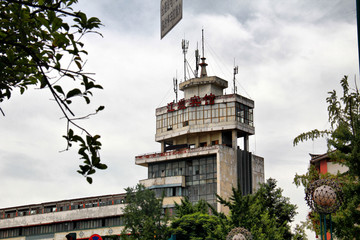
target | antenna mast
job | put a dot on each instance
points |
(235, 72)
(175, 81)
(203, 64)
(202, 40)
(197, 58)
(185, 46)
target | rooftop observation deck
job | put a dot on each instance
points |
(205, 114)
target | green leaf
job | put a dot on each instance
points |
(74, 92)
(77, 138)
(101, 166)
(100, 108)
(89, 179)
(43, 82)
(87, 99)
(92, 171)
(59, 89)
(95, 160)
(98, 86)
(78, 65)
(70, 133)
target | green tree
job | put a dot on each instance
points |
(186, 207)
(197, 226)
(299, 232)
(40, 46)
(267, 214)
(343, 140)
(343, 137)
(194, 222)
(143, 214)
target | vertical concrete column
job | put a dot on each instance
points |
(197, 141)
(162, 146)
(208, 139)
(234, 139)
(246, 143)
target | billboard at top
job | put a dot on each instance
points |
(170, 15)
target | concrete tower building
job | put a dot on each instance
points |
(200, 156)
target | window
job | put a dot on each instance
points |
(203, 144)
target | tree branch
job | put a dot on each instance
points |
(43, 7)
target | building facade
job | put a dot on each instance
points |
(54, 220)
(199, 135)
(324, 164)
(199, 158)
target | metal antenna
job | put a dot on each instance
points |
(197, 58)
(185, 46)
(202, 39)
(175, 81)
(203, 64)
(235, 72)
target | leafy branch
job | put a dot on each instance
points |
(35, 36)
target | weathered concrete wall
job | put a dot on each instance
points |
(258, 175)
(226, 174)
(164, 181)
(202, 86)
(201, 128)
(85, 213)
(170, 201)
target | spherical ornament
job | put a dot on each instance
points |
(239, 233)
(239, 237)
(325, 196)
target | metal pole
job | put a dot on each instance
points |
(325, 227)
(321, 227)
(331, 228)
(358, 26)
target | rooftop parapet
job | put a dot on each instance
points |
(202, 86)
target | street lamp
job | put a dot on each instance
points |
(239, 233)
(325, 197)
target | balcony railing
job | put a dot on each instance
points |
(176, 152)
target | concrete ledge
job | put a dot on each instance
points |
(144, 160)
(174, 181)
(53, 217)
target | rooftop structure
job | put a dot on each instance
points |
(198, 134)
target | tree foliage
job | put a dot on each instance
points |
(343, 140)
(299, 232)
(343, 137)
(194, 222)
(40, 45)
(186, 207)
(266, 214)
(197, 226)
(143, 214)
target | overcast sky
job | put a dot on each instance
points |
(290, 54)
